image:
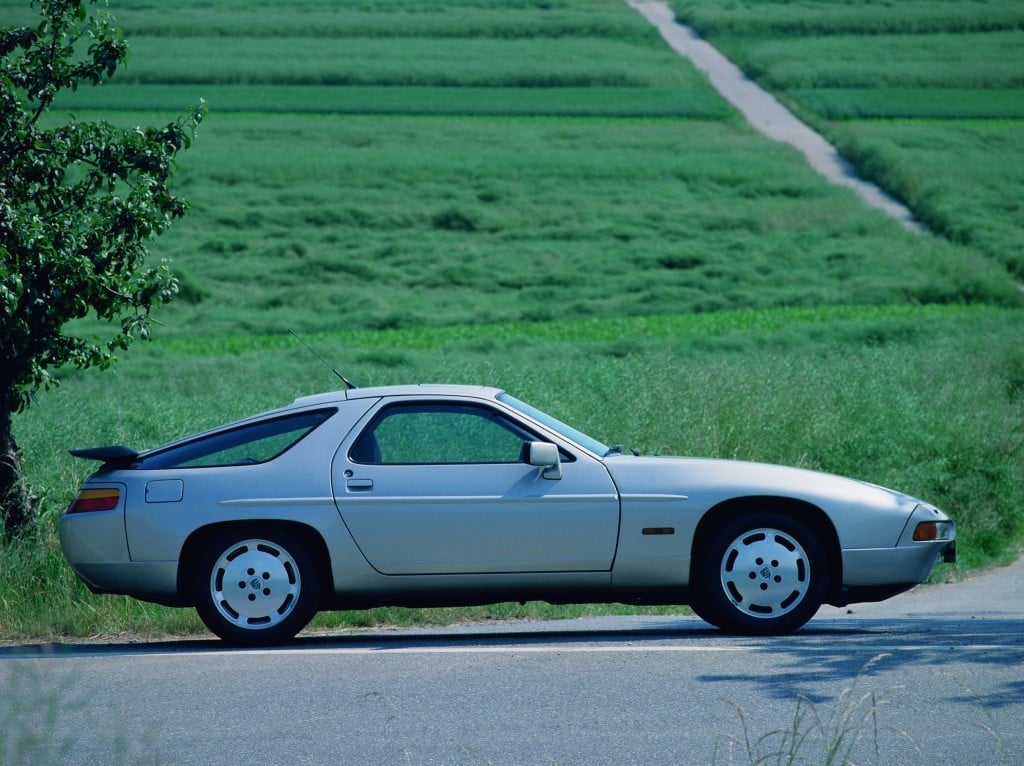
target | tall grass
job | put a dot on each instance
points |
(989, 60)
(529, 63)
(497, 20)
(931, 103)
(878, 394)
(918, 160)
(685, 101)
(368, 222)
(883, 396)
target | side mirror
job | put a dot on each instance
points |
(545, 455)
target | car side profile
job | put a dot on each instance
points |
(444, 495)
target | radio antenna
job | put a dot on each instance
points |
(349, 384)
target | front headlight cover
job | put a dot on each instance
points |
(926, 525)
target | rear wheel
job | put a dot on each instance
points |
(762, 573)
(256, 586)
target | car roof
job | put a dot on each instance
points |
(415, 390)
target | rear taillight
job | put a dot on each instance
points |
(89, 500)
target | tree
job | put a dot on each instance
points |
(79, 202)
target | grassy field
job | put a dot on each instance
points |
(925, 97)
(540, 196)
(879, 393)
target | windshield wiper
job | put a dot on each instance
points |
(617, 450)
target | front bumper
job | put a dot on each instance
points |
(874, 574)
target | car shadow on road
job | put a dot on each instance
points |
(868, 650)
(994, 640)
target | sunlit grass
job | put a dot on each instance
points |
(877, 394)
(329, 223)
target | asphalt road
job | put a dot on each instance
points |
(940, 670)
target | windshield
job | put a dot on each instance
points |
(555, 424)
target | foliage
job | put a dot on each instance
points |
(78, 202)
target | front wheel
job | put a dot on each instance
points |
(256, 586)
(761, 574)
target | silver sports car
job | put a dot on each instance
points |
(431, 495)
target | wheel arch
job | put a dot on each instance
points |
(799, 510)
(196, 543)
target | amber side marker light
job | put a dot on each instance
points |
(89, 500)
(931, 531)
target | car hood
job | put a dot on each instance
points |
(709, 481)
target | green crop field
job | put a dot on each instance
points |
(925, 97)
(541, 196)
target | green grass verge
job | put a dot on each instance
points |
(927, 400)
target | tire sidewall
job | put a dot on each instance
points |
(712, 603)
(306, 601)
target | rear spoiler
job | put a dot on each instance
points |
(114, 455)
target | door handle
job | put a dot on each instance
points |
(359, 485)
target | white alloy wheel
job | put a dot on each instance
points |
(765, 573)
(255, 584)
(760, 573)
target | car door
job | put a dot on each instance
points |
(441, 487)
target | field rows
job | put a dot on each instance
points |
(696, 102)
(531, 63)
(931, 103)
(920, 95)
(990, 61)
(811, 18)
(320, 223)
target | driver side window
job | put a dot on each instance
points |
(439, 433)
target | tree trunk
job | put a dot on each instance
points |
(15, 499)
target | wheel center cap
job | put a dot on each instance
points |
(766, 573)
(254, 583)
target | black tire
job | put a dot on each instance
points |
(762, 573)
(256, 586)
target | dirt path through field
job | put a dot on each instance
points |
(766, 114)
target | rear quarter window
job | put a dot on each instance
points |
(250, 444)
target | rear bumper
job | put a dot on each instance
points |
(97, 550)
(155, 581)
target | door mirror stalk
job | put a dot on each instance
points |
(545, 455)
